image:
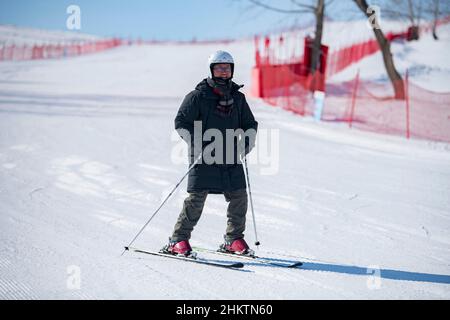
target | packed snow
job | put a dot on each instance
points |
(88, 152)
(426, 61)
(10, 34)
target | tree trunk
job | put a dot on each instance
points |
(414, 28)
(435, 18)
(435, 37)
(414, 33)
(317, 44)
(394, 76)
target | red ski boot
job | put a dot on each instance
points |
(182, 248)
(238, 246)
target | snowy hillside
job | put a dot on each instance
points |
(426, 60)
(87, 151)
(28, 36)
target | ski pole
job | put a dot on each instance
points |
(257, 243)
(160, 206)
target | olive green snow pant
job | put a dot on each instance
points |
(193, 207)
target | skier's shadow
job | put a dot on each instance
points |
(364, 271)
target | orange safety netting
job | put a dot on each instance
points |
(27, 52)
(362, 104)
(370, 106)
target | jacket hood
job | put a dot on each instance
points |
(204, 87)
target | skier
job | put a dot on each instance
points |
(218, 104)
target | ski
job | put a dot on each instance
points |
(252, 258)
(231, 265)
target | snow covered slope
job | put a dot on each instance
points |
(86, 156)
(426, 60)
(28, 36)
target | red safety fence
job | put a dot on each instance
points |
(269, 60)
(370, 106)
(27, 52)
(271, 77)
(364, 105)
(287, 86)
(340, 59)
(31, 52)
(266, 75)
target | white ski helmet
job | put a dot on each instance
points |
(220, 57)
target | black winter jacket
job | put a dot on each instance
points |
(200, 105)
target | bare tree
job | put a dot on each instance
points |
(409, 10)
(416, 10)
(385, 46)
(315, 7)
(436, 13)
(437, 9)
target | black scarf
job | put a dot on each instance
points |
(222, 88)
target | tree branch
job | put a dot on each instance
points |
(302, 5)
(260, 4)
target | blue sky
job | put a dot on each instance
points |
(155, 19)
